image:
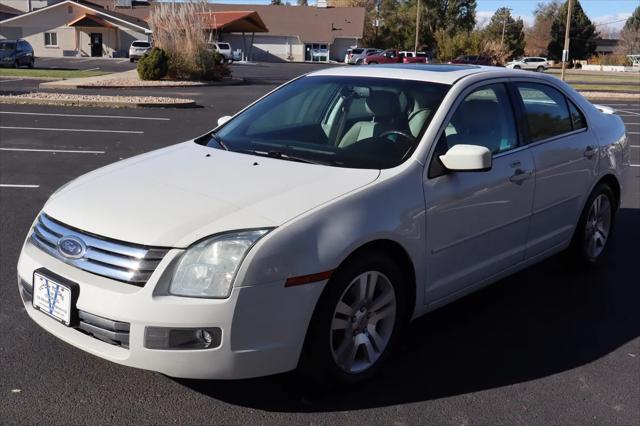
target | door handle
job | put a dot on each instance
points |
(590, 151)
(520, 176)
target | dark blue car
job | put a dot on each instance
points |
(16, 53)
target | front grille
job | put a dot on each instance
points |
(109, 331)
(109, 258)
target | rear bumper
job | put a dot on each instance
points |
(263, 327)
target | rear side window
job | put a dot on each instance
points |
(577, 119)
(357, 51)
(546, 110)
(224, 46)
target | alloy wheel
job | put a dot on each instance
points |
(597, 227)
(363, 322)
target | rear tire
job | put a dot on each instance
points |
(356, 322)
(16, 64)
(516, 67)
(594, 228)
(373, 63)
(540, 69)
(131, 60)
(32, 63)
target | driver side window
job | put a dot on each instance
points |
(485, 118)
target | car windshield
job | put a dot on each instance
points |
(355, 122)
(140, 44)
(7, 46)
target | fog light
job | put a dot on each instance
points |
(182, 338)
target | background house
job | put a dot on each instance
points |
(7, 12)
(300, 33)
(76, 28)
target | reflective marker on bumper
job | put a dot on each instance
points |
(308, 279)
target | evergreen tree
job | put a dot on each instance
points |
(582, 34)
(513, 31)
(630, 34)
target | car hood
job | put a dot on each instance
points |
(177, 195)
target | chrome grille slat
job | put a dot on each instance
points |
(109, 258)
(123, 249)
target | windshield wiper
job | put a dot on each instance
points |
(216, 138)
(281, 156)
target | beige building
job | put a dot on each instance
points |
(300, 33)
(76, 28)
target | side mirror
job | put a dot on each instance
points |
(467, 158)
(223, 120)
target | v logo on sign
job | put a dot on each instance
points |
(52, 303)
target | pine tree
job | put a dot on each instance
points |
(582, 34)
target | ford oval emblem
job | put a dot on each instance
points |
(71, 247)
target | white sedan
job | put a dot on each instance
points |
(310, 228)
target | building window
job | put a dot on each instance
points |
(51, 39)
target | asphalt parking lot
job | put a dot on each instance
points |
(550, 345)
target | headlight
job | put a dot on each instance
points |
(208, 268)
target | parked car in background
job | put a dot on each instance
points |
(472, 60)
(409, 57)
(358, 54)
(224, 49)
(138, 49)
(533, 63)
(393, 56)
(16, 53)
(310, 228)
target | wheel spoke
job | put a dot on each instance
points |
(344, 309)
(346, 353)
(372, 353)
(591, 244)
(382, 314)
(340, 324)
(373, 282)
(382, 300)
(375, 338)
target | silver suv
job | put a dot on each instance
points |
(357, 55)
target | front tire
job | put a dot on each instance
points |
(540, 69)
(516, 67)
(31, 63)
(593, 232)
(356, 322)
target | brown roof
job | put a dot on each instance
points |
(233, 22)
(8, 10)
(312, 24)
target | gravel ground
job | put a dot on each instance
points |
(66, 97)
(126, 81)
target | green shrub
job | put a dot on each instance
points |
(153, 65)
(204, 64)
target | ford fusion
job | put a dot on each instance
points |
(306, 231)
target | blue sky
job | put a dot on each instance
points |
(600, 11)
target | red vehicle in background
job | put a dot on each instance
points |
(393, 56)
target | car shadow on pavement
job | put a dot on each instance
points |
(547, 319)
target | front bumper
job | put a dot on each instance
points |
(263, 327)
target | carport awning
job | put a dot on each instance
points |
(87, 20)
(234, 22)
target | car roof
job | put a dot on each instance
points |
(444, 74)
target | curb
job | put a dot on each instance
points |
(600, 94)
(105, 104)
(57, 85)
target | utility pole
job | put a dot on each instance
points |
(504, 25)
(565, 52)
(415, 47)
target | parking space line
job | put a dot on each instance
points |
(52, 129)
(62, 151)
(119, 117)
(9, 81)
(10, 185)
(633, 133)
(629, 112)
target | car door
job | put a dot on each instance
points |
(565, 156)
(477, 222)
